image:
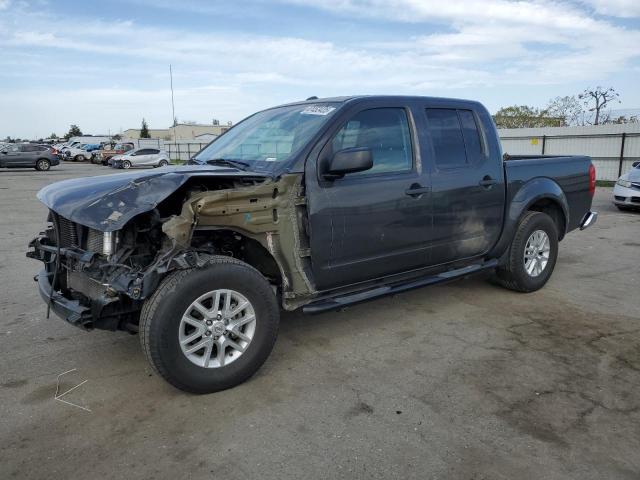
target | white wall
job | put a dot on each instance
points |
(602, 143)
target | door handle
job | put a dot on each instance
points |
(416, 190)
(487, 181)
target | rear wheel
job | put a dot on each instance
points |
(79, 158)
(209, 329)
(532, 255)
(43, 164)
(126, 164)
(163, 163)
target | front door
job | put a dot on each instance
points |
(468, 186)
(372, 223)
(16, 156)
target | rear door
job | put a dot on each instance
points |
(151, 158)
(372, 223)
(468, 183)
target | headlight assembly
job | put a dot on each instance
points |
(624, 183)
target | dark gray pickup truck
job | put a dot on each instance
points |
(315, 205)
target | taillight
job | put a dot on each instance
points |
(592, 180)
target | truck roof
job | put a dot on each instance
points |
(352, 98)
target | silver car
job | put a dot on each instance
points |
(626, 193)
(142, 157)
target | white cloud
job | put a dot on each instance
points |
(616, 8)
(481, 43)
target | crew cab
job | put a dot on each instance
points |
(315, 205)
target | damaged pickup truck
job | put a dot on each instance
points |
(315, 205)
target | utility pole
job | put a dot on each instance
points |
(173, 110)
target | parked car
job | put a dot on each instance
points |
(120, 148)
(92, 147)
(626, 192)
(80, 153)
(142, 157)
(315, 205)
(18, 155)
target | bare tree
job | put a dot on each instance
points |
(596, 99)
(568, 108)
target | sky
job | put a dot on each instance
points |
(104, 65)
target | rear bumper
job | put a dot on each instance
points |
(589, 219)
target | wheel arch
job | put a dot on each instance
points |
(544, 195)
(239, 245)
(540, 194)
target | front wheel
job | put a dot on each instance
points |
(79, 158)
(126, 164)
(532, 255)
(209, 329)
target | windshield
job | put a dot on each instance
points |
(269, 138)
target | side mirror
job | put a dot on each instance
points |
(635, 164)
(349, 160)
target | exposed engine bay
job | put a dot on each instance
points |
(111, 270)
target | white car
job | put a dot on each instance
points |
(626, 193)
(78, 154)
(142, 157)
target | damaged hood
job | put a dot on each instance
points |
(108, 202)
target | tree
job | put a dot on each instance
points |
(622, 119)
(596, 99)
(74, 131)
(53, 135)
(568, 108)
(144, 131)
(117, 137)
(524, 116)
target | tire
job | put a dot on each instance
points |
(163, 163)
(42, 165)
(78, 158)
(514, 275)
(126, 164)
(161, 324)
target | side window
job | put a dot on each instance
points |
(153, 151)
(472, 140)
(386, 132)
(446, 136)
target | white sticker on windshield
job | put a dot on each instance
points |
(317, 110)
(270, 159)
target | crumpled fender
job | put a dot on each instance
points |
(108, 202)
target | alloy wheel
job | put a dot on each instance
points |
(216, 329)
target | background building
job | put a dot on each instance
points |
(182, 131)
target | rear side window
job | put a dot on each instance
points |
(456, 138)
(153, 151)
(386, 132)
(446, 136)
(472, 140)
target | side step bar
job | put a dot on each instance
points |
(391, 289)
